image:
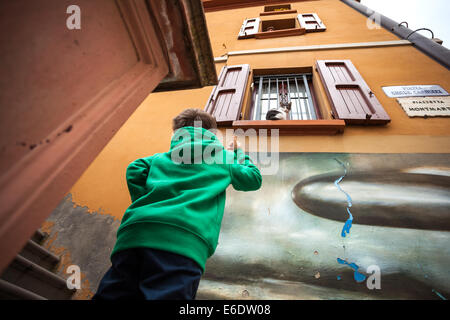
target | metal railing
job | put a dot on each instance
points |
(277, 91)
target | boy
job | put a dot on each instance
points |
(172, 226)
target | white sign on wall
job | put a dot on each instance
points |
(415, 91)
(426, 106)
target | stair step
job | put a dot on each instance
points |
(39, 236)
(32, 277)
(9, 291)
(39, 255)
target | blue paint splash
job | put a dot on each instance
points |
(359, 277)
(348, 223)
(439, 295)
(339, 277)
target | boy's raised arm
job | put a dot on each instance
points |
(245, 176)
(137, 173)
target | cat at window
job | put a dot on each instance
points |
(280, 113)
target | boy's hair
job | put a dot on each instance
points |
(188, 116)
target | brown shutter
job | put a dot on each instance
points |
(249, 28)
(225, 102)
(311, 22)
(349, 95)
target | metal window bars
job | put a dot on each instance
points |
(274, 91)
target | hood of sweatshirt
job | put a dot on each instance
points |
(195, 145)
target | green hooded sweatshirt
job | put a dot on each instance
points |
(178, 197)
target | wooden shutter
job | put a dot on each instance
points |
(249, 28)
(225, 102)
(349, 95)
(311, 22)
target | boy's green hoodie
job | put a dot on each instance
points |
(178, 207)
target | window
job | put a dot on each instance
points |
(241, 103)
(272, 25)
(269, 28)
(277, 9)
(255, 28)
(276, 91)
(280, 7)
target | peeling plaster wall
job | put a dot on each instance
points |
(84, 238)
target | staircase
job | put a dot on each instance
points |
(31, 275)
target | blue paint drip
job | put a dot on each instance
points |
(439, 295)
(348, 223)
(359, 277)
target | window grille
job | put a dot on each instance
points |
(275, 91)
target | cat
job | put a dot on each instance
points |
(279, 114)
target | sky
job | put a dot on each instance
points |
(431, 14)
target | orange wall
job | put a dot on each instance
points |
(103, 188)
(344, 25)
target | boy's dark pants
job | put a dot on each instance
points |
(144, 273)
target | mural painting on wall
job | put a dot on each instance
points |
(337, 226)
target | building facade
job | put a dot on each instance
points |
(355, 204)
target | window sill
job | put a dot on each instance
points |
(277, 12)
(280, 33)
(294, 127)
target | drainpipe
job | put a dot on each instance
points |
(436, 51)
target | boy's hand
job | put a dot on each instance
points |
(233, 145)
